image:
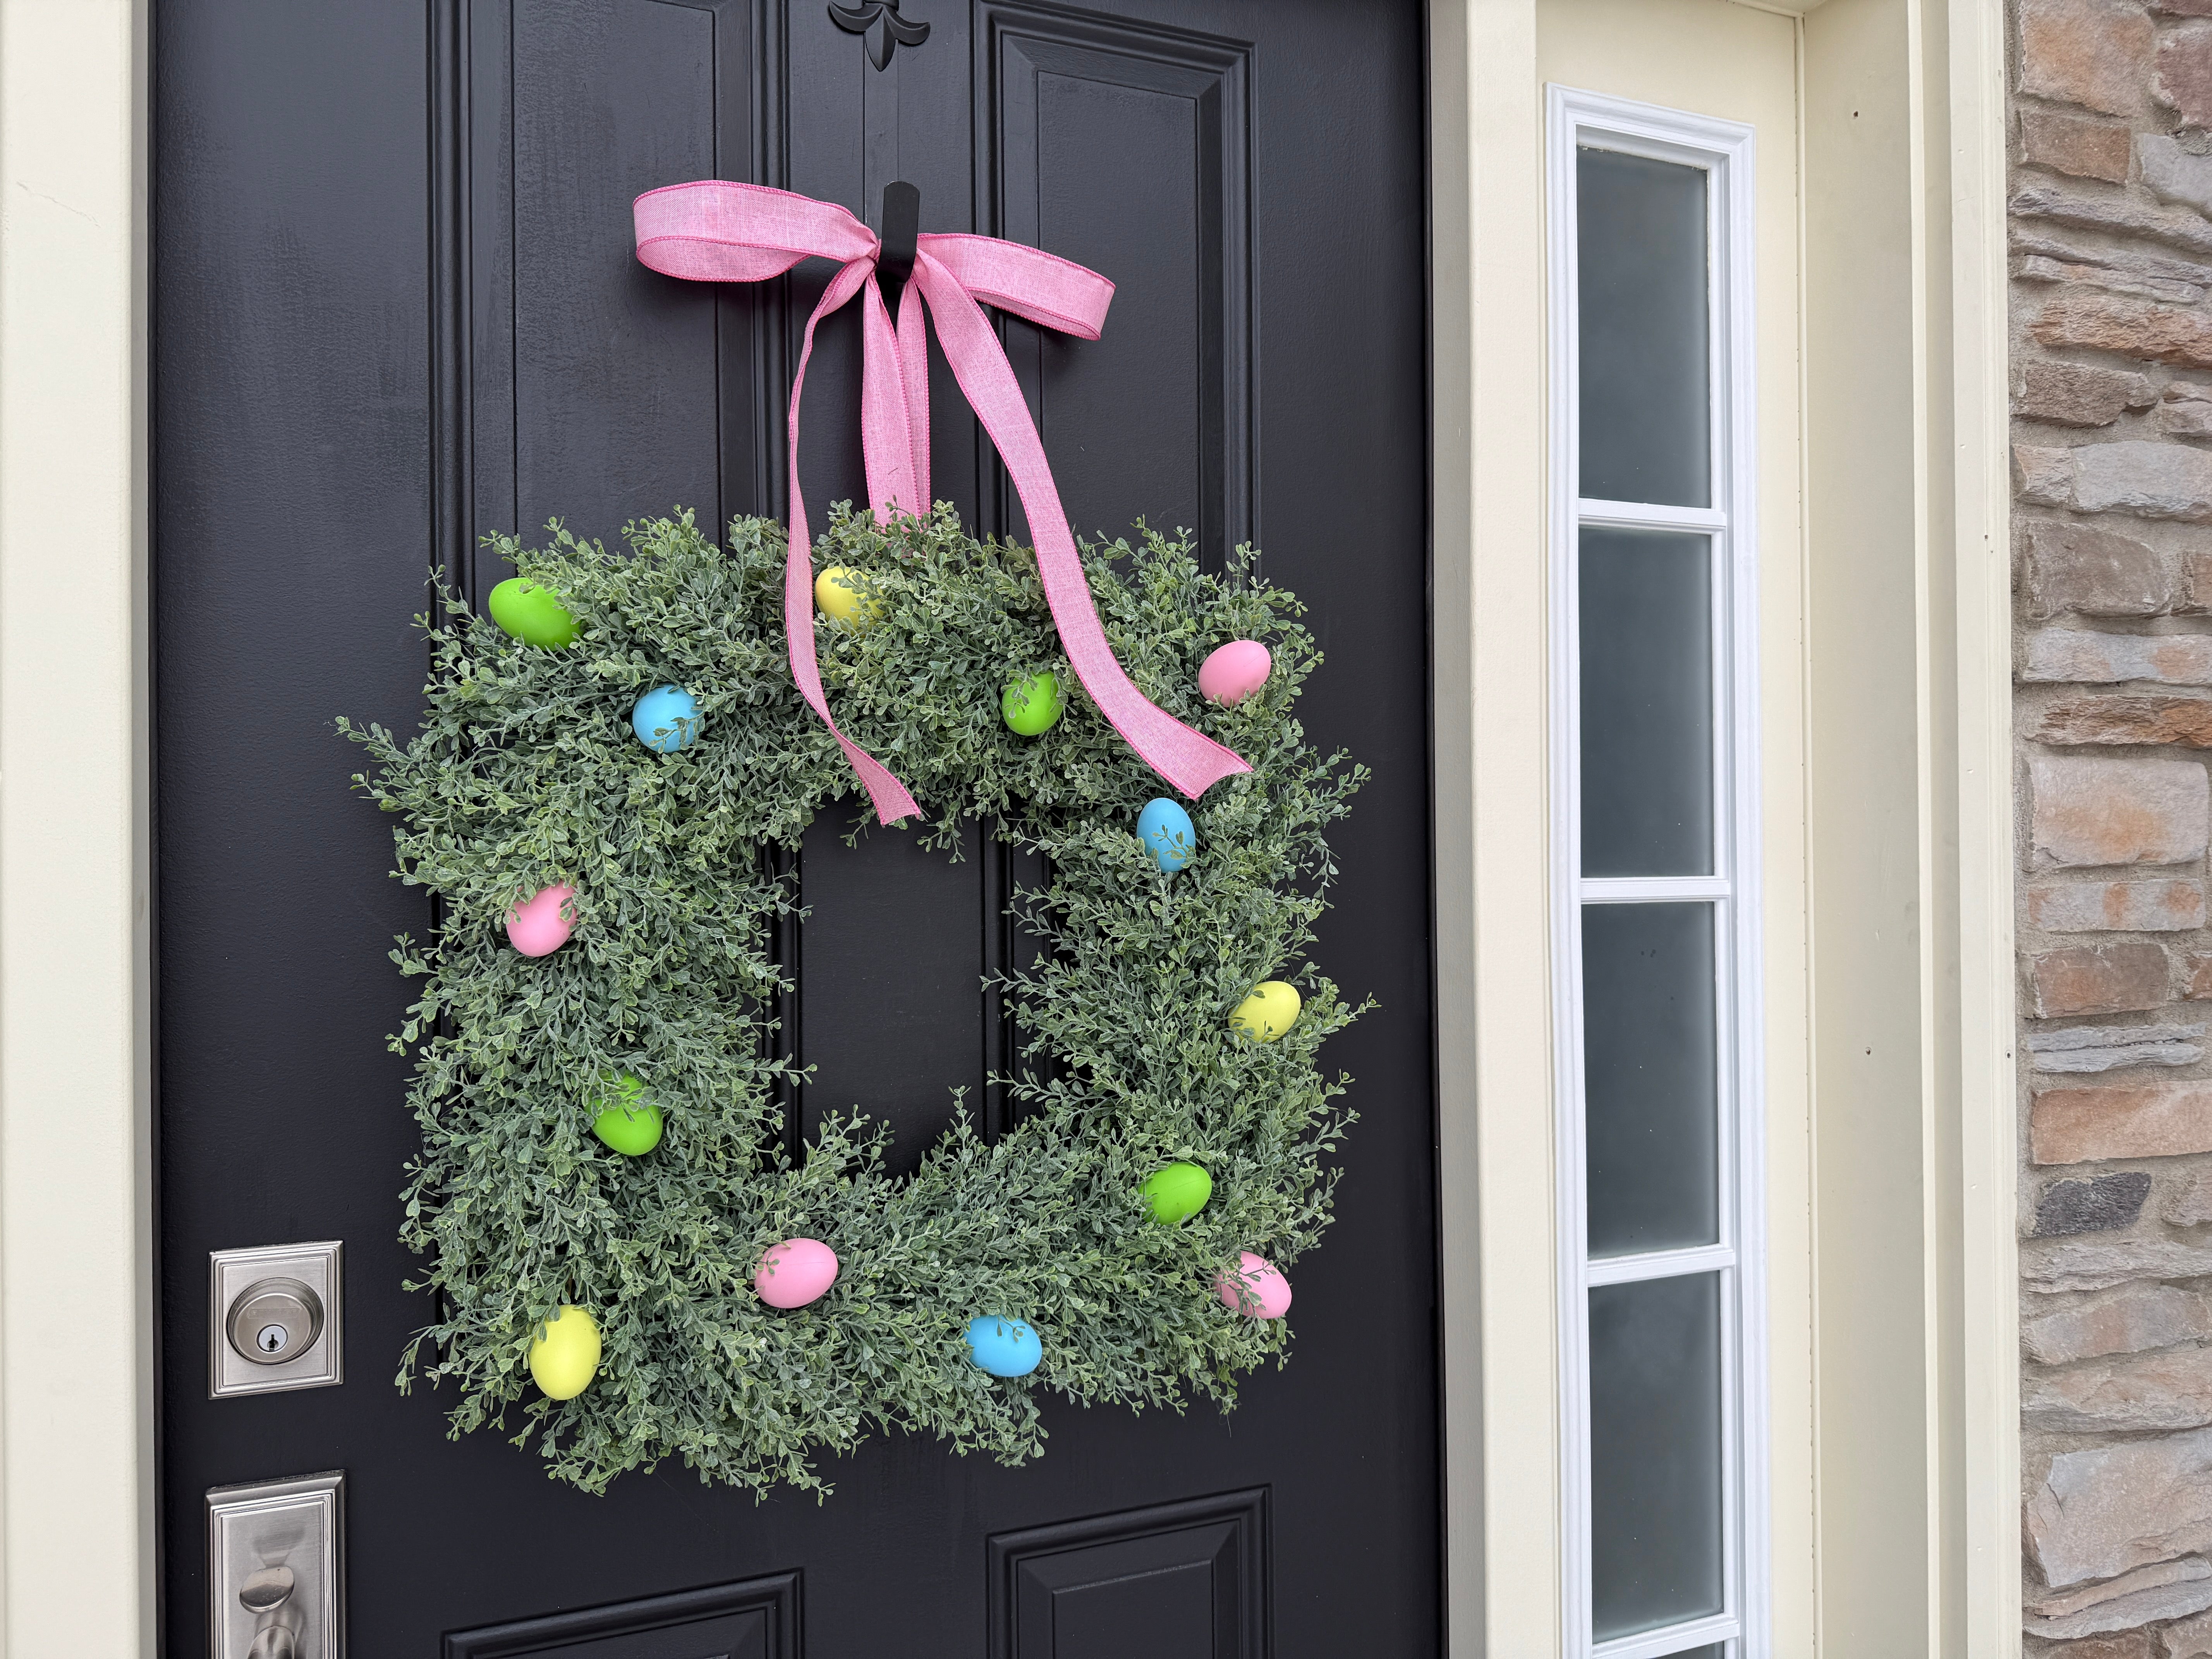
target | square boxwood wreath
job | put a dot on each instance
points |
(525, 773)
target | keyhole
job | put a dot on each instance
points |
(272, 1338)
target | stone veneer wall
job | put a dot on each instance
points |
(2111, 226)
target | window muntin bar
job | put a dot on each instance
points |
(1650, 516)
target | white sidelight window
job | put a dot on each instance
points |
(1654, 753)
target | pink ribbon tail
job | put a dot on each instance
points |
(717, 231)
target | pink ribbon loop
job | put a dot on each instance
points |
(716, 231)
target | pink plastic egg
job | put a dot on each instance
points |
(1234, 672)
(1255, 1287)
(538, 927)
(795, 1273)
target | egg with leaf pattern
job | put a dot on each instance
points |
(1270, 1011)
(1004, 1348)
(1168, 833)
(795, 1273)
(1254, 1287)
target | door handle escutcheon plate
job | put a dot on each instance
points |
(276, 1569)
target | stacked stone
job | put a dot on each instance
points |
(2111, 231)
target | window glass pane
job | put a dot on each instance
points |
(1646, 425)
(1645, 598)
(1655, 1359)
(1649, 1069)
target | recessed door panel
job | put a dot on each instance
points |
(1126, 147)
(1184, 1581)
(590, 388)
(758, 1619)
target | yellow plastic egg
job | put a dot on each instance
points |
(838, 596)
(566, 1355)
(1270, 1011)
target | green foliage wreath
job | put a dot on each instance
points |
(525, 773)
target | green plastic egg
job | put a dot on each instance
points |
(565, 1356)
(1270, 1011)
(533, 614)
(1033, 706)
(1177, 1192)
(630, 1123)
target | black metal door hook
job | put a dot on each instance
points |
(902, 224)
(880, 21)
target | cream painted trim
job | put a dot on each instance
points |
(76, 1303)
(1917, 1492)
(1980, 544)
(1493, 835)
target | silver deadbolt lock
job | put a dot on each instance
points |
(274, 1320)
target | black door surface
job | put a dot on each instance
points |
(397, 308)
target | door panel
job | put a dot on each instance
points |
(397, 308)
(755, 1621)
(1184, 1581)
(1126, 149)
(592, 388)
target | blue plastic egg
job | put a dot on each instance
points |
(1004, 1348)
(1166, 829)
(665, 719)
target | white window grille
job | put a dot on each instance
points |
(1654, 839)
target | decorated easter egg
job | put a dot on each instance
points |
(1004, 1348)
(566, 1354)
(1177, 1192)
(1234, 672)
(665, 719)
(1255, 1287)
(626, 1120)
(1270, 1011)
(1034, 705)
(840, 596)
(795, 1273)
(533, 614)
(538, 926)
(1168, 833)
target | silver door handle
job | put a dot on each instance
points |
(276, 1579)
(267, 1595)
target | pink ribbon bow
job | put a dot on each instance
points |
(714, 231)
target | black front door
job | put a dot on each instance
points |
(397, 308)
